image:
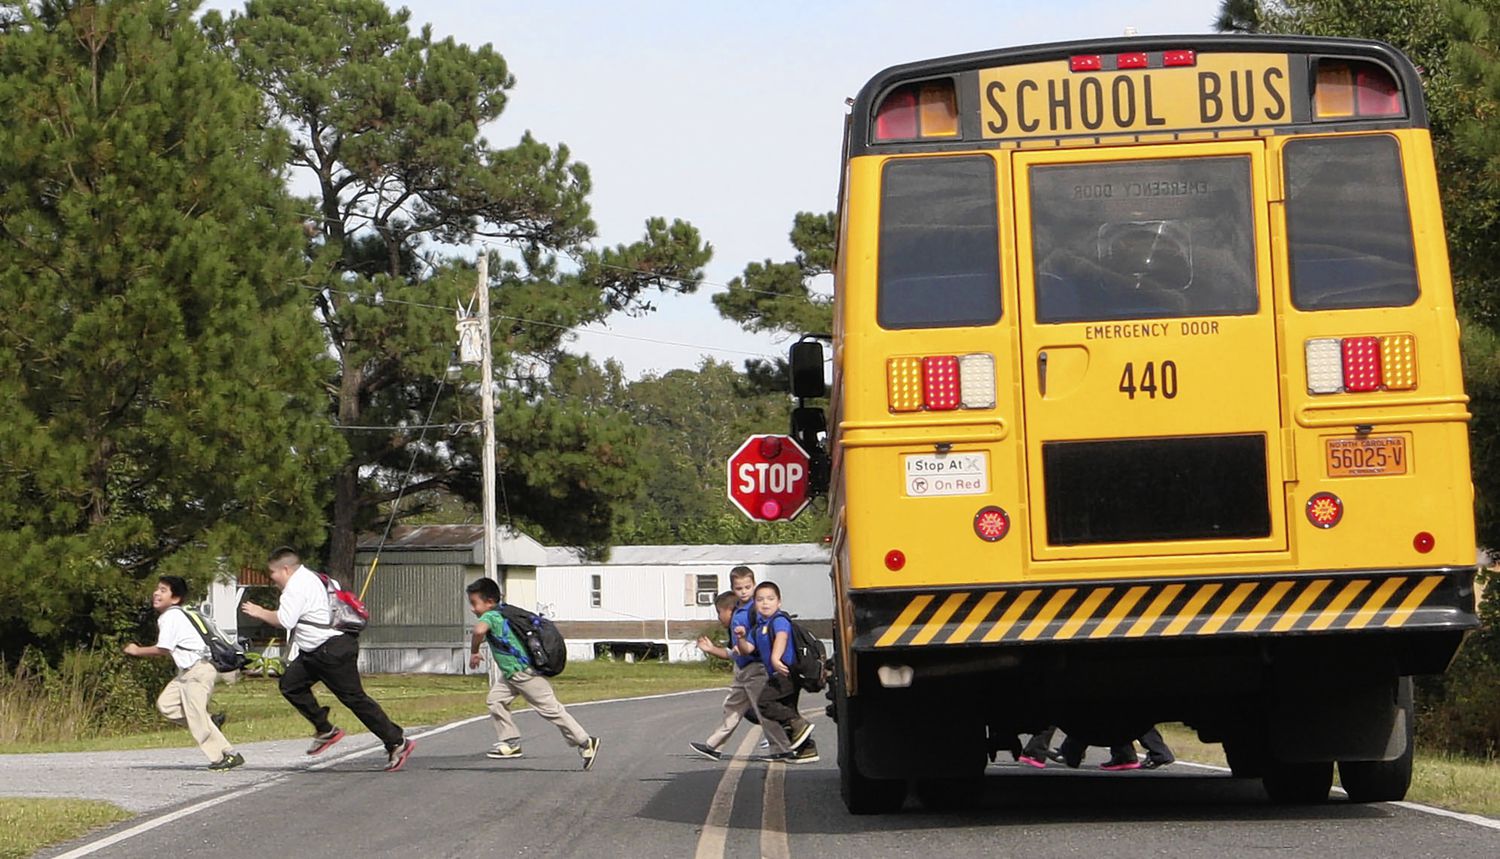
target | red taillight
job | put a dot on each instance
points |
(1086, 63)
(1172, 59)
(1376, 92)
(1361, 364)
(895, 559)
(940, 382)
(1423, 542)
(1325, 510)
(897, 118)
(1130, 61)
(991, 524)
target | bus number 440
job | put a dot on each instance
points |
(1153, 379)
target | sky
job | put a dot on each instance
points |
(730, 116)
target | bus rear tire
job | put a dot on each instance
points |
(1384, 781)
(1298, 783)
(861, 794)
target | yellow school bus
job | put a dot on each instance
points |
(1146, 407)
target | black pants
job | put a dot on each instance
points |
(778, 700)
(336, 664)
(1156, 747)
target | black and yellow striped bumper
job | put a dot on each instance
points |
(1304, 604)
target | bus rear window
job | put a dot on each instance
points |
(1348, 224)
(939, 244)
(1143, 239)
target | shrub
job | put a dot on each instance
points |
(1459, 712)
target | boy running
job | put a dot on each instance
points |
(511, 675)
(184, 700)
(770, 635)
(749, 671)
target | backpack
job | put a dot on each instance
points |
(224, 655)
(546, 649)
(345, 611)
(811, 667)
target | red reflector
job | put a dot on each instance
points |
(895, 559)
(1086, 63)
(1130, 61)
(991, 524)
(1179, 58)
(1376, 91)
(897, 117)
(1325, 510)
(940, 382)
(1361, 363)
(1423, 542)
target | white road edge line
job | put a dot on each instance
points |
(714, 837)
(157, 822)
(1476, 819)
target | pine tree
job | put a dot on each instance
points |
(387, 122)
(156, 360)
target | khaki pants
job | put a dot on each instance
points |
(538, 693)
(184, 701)
(748, 682)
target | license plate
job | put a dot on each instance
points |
(1365, 456)
(929, 475)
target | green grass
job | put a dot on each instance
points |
(1454, 783)
(28, 825)
(258, 712)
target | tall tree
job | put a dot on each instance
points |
(1238, 16)
(387, 124)
(157, 362)
(780, 296)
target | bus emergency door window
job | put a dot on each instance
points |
(1348, 224)
(1143, 239)
(939, 243)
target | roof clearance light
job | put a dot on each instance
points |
(938, 107)
(904, 384)
(1333, 96)
(1086, 63)
(1325, 510)
(896, 119)
(976, 381)
(1172, 59)
(1398, 361)
(940, 382)
(1325, 366)
(1376, 91)
(1131, 61)
(1361, 364)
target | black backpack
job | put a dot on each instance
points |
(811, 668)
(546, 649)
(224, 655)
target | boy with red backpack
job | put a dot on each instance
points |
(512, 673)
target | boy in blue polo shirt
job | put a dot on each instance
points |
(749, 672)
(770, 635)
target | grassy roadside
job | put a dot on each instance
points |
(28, 825)
(1457, 784)
(258, 712)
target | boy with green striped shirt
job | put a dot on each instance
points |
(511, 675)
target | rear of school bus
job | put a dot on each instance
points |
(1147, 407)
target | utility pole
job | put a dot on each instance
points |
(487, 410)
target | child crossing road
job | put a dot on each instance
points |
(749, 672)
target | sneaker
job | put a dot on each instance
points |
(398, 756)
(800, 733)
(1033, 762)
(219, 719)
(504, 751)
(808, 754)
(589, 753)
(776, 757)
(707, 751)
(321, 742)
(1118, 764)
(1156, 764)
(1054, 755)
(228, 762)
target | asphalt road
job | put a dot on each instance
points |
(649, 797)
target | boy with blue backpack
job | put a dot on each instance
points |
(774, 637)
(734, 607)
(512, 673)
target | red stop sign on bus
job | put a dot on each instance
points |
(768, 478)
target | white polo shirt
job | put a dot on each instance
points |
(305, 599)
(175, 633)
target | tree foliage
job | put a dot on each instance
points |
(159, 368)
(779, 296)
(388, 124)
